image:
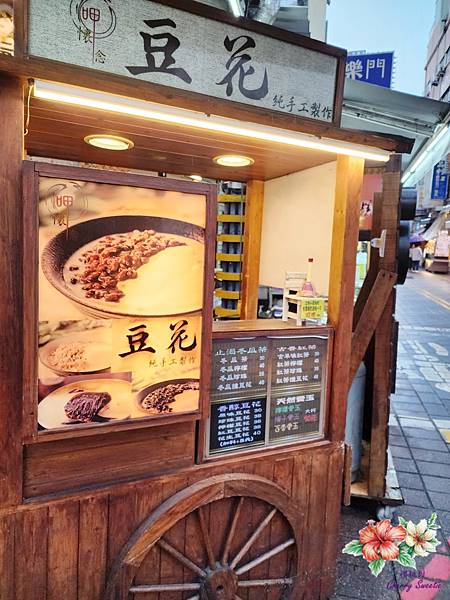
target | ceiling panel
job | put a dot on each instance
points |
(58, 131)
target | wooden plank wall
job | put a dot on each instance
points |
(65, 548)
(69, 464)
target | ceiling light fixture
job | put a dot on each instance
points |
(233, 160)
(109, 142)
(178, 116)
(197, 178)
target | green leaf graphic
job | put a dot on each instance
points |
(432, 519)
(405, 559)
(354, 548)
(376, 566)
(432, 522)
(402, 521)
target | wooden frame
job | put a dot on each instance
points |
(11, 327)
(32, 172)
(378, 294)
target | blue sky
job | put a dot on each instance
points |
(380, 25)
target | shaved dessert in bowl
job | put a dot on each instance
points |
(168, 397)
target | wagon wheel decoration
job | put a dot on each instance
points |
(237, 545)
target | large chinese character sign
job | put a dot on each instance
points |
(173, 47)
(121, 278)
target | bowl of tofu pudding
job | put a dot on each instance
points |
(169, 397)
(128, 266)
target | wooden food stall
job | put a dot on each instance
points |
(144, 452)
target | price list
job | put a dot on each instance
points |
(239, 368)
(237, 424)
(266, 391)
(298, 362)
(294, 415)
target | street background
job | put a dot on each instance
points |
(419, 440)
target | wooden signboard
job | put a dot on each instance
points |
(194, 48)
(123, 269)
(267, 390)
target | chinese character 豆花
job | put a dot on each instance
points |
(179, 337)
(167, 50)
(236, 65)
(137, 341)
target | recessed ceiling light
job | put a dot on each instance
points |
(233, 160)
(151, 111)
(109, 142)
(197, 178)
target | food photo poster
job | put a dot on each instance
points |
(121, 274)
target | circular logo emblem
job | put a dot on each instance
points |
(94, 19)
(67, 199)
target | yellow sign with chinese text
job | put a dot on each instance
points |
(312, 308)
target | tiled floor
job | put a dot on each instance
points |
(420, 446)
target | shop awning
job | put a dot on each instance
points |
(373, 108)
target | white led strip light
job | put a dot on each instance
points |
(188, 118)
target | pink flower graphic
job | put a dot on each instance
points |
(379, 539)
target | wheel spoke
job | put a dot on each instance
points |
(168, 587)
(264, 557)
(266, 582)
(206, 538)
(253, 538)
(230, 537)
(180, 557)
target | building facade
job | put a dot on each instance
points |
(305, 17)
(437, 71)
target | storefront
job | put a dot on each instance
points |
(147, 452)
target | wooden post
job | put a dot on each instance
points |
(11, 142)
(382, 357)
(252, 249)
(349, 178)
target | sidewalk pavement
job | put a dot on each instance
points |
(419, 439)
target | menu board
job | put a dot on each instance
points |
(237, 424)
(284, 375)
(294, 414)
(121, 281)
(239, 370)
